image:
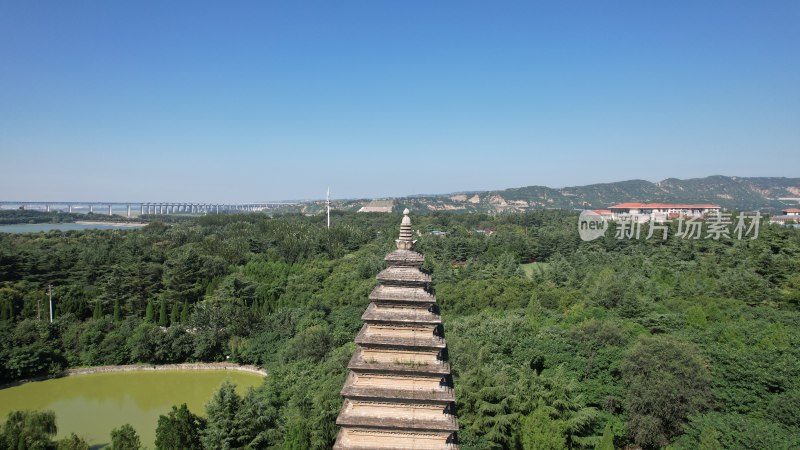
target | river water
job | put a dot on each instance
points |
(37, 227)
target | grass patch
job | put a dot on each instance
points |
(535, 267)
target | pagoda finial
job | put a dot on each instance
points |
(405, 242)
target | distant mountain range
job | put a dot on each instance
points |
(768, 194)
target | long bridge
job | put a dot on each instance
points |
(128, 208)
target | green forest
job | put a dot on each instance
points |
(555, 343)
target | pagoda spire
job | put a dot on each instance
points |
(399, 392)
(405, 242)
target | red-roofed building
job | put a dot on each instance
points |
(606, 213)
(790, 216)
(644, 212)
(791, 212)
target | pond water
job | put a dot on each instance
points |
(92, 405)
(37, 227)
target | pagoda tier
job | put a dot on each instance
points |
(391, 385)
(395, 294)
(388, 414)
(377, 313)
(401, 276)
(399, 335)
(365, 439)
(399, 393)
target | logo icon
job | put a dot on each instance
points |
(591, 225)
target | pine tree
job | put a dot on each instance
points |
(162, 314)
(116, 310)
(709, 439)
(185, 313)
(180, 429)
(296, 436)
(541, 432)
(72, 442)
(125, 438)
(4, 313)
(98, 311)
(255, 420)
(148, 315)
(266, 308)
(254, 307)
(607, 441)
(175, 315)
(222, 432)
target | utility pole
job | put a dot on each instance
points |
(328, 204)
(50, 297)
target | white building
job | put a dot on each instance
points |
(659, 212)
(790, 215)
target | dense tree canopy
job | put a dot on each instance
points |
(554, 342)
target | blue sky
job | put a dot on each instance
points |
(251, 101)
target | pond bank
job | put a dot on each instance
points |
(111, 222)
(142, 368)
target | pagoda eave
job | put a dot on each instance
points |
(403, 276)
(358, 363)
(371, 393)
(377, 439)
(400, 315)
(411, 423)
(408, 258)
(402, 295)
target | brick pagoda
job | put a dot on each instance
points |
(399, 392)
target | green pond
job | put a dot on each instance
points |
(92, 405)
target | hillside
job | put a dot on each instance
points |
(737, 193)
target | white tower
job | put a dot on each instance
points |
(328, 204)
